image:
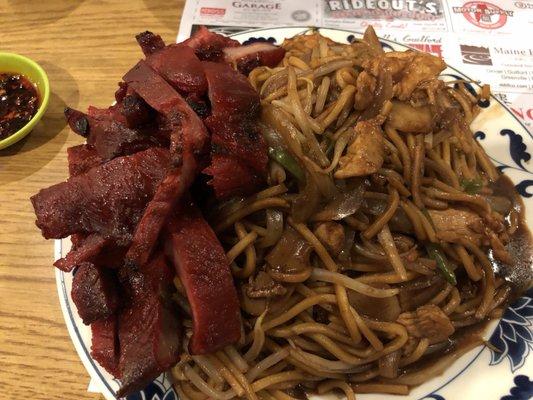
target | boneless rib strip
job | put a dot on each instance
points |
(149, 331)
(235, 140)
(204, 271)
(108, 199)
(189, 137)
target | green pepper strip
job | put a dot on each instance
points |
(472, 186)
(437, 254)
(287, 161)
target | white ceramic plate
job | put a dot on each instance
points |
(479, 374)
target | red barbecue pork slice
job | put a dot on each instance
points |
(240, 139)
(77, 239)
(92, 248)
(172, 188)
(231, 177)
(149, 330)
(121, 92)
(111, 113)
(135, 111)
(108, 199)
(180, 67)
(86, 250)
(107, 130)
(94, 291)
(199, 104)
(248, 57)
(230, 92)
(104, 348)
(189, 133)
(233, 124)
(131, 110)
(149, 42)
(82, 158)
(112, 139)
(209, 46)
(204, 270)
(77, 121)
(188, 140)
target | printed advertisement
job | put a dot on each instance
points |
(502, 17)
(384, 14)
(248, 13)
(506, 65)
(483, 39)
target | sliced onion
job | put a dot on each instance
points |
(271, 136)
(266, 363)
(290, 257)
(388, 364)
(274, 82)
(372, 39)
(334, 277)
(253, 307)
(382, 94)
(274, 221)
(331, 66)
(385, 309)
(399, 222)
(273, 117)
(344, 204)
(232, 54)
(307, 201)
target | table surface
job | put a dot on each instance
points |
(85, 47)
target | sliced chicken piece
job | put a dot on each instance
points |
(422, 67)
(331, 234)
(365, 154)
(365, 88)
(428, 321)
(395, 62)
(361, 52)
(406, 118)
(453, 224)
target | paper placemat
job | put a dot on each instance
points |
(485, 40)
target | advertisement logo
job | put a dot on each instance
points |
(435, 49)
(212, 11)
(523, 5)
(385, 9)
(476, 55)
(301, 15)
(483, 14)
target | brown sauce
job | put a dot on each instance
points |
(520, 273)
(19, 102)
(457, 345)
